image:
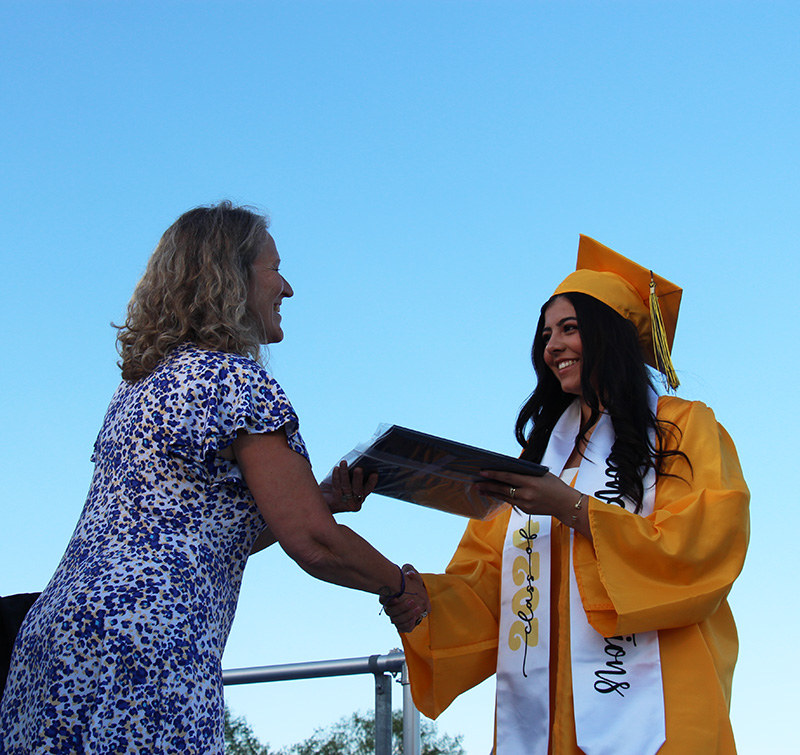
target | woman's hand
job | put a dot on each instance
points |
(547, 495)
(408, 610)
(346, 492)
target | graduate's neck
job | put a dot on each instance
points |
(586, 413)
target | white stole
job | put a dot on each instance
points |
(616, 681)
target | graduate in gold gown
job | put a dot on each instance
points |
(599, 596)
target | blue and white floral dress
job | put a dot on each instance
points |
(121, 653)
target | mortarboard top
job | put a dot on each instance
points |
(635, 292)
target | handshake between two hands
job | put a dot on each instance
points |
(407, 610)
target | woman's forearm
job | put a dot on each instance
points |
(341, 556)
(292, 505)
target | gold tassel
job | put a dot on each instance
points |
(660, 343)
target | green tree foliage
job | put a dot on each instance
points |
(352, 735)
(240, 739)
(355, 735)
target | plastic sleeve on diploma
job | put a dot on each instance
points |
(433, 472)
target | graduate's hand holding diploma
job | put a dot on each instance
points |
(547, 495)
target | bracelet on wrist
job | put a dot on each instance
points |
(577, 509)
(402, 586)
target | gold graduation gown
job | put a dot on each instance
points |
(670, 572)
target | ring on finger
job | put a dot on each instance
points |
(346, 497)
(511, 491)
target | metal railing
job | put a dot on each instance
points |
(380, 666)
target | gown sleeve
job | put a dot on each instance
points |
(675, 567)
(455, 648)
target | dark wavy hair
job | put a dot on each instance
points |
(195, 289)
(614, 376)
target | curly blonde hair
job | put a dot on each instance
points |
(195, 289)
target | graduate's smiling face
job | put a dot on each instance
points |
(563, 348)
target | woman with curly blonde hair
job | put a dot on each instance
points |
(198, 464)
(199, 297)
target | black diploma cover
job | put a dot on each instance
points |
(433, 472)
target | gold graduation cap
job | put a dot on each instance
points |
(649, 301)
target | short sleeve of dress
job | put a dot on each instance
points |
(223, 394)
(249, 399)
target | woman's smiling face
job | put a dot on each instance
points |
(563, 347)
(267, 289)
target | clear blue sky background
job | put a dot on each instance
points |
(428, 167)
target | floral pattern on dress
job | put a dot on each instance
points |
(122, 651)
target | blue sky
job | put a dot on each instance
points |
(428, 167)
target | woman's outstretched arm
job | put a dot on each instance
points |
(346, 492)
(296, 513)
